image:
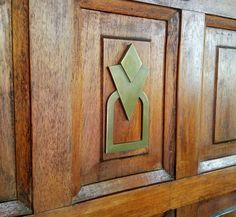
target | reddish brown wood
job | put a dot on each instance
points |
(210, 207)
(217, 120)
(20, 25)
(171, 70)
(51, 61)
(129, 8)
(7, 137)
(189, 92)
(173, 195)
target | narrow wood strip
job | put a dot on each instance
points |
(7, 137)
(121, 184)
(51, 65)
(214, 164)
(149, 201)
(170, 93)
(20, 24)
(13, 208)
(220, 22)
(189, 92)
(129, 8)
(224, 8)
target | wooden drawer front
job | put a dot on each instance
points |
(218, 108)
(119, 150)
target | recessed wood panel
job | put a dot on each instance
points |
(104, 40)
(225, 114)
(218, 115)
(7, 137)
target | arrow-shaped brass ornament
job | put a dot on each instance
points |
(129, 79)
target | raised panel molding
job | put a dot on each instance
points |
(218, 108)
(104, 40)
(225, 105)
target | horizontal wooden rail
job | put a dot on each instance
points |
(154, 199)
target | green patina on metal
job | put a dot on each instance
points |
(129, 79)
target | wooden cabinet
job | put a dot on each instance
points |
(117, 108)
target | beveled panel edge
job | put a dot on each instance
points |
(224, 212)
(117, 185)
(215, 164)
(220, 22)
(157, 198)
(229, 140)
(129, 7)
(14, 208)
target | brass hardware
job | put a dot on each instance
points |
(129, 79)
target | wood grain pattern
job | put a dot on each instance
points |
(212, 206)
(189, 92)
(210, 114)
(7, 137)
(220, 22)
(129, 8)
(20, 31)
(92, 169)
(225, 105)
(171, 71)
(51, 52)
(173, 195)
(224, 8)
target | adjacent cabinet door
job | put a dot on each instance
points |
(123, 108)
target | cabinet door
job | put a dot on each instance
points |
(127, 95)
(215, 146)
(218, 108)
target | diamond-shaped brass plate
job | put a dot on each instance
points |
(131, 62)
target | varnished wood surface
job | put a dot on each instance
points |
(189, 92)
(216, 107)
(128, 8)
(51, 60)
(225, 104)
(224, 8)
(21, 59)
(212, 207)
(7, 134)
(155, 199)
